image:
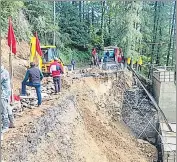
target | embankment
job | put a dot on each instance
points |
(84, 124)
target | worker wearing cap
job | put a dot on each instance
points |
(140, 62)
(56, 70)
(34, 75)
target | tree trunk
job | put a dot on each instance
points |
(159, 47)
(83, 8)
(154, 29)
(102, 14)
(92, 15)
(102, 21)
(109, 24)
(171, 34)
(88, 15)
(173, 50)
(80, 10)
(159, 38)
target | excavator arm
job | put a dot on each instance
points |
(34, 56)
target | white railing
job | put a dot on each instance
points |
(164, 73)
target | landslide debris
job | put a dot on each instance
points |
(83, 124)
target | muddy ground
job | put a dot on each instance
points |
(83, 124)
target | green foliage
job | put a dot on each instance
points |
(80, 57)
(39, 14)
(14, 9)
(70, 23)
(139, 28)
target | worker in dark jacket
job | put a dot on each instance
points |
(56, 70)
(73, 64)
(34, 75)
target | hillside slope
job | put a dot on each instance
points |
(19, 61)
(82, 124)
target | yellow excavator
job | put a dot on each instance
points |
(44, 61)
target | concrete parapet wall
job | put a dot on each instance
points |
(164, 76)
(165, 94)
(167, 100)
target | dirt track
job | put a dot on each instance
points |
(83, 124)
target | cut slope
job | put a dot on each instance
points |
(20, 61)
(79, 126)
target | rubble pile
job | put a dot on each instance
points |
(47, 90)
(146, 147)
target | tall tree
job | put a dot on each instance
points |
(171, 34)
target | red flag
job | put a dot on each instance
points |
(11, 38)
(38, 48)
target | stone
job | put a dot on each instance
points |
(50, 134)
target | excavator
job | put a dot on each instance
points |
(44, 61)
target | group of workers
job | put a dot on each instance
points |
(119, 58)
(32, 78)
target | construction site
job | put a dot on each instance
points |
(99, 116)
(88, 81)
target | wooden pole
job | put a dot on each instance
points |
(54, 17)
(11, 72)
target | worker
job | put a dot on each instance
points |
(134, 63)
(140, 62)
(94, 53)
(9, 108)
(73, 64)
(5, 97)
(128, 60)
(97, 60)
(56, 70)
(123, 59)
(101, 64)
(35, 76)
(119, 60)
(107, 53)
(115, 54)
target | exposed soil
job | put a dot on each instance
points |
(82, 124)
(20, 61)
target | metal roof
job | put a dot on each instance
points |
(48, 46)
(110, 47)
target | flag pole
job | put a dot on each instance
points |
(37, 59)
(11, 73)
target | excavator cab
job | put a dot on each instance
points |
(49, 53)
(44, 61)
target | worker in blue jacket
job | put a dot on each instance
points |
(33, 78)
